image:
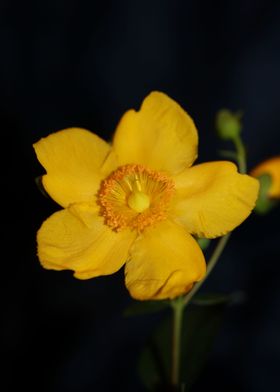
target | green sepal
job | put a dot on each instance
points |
(264, 204)
(39, 183)
(203, 242)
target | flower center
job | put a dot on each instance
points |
(134, 196)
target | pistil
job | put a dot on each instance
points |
(138, 201)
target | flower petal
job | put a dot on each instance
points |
(76, 239)
(164, 262)
(161, 135)
(72, 158)
(272, 167)
(213, 198)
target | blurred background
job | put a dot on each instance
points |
(84, 63)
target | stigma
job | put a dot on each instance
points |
(138, 201)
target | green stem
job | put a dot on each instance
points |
(178, 309)
(241, 154)
(210, 265)
(241, 160)
(179, 304)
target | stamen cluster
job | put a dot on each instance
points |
(118, 187)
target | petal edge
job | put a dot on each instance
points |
(213, 198)
(161, 135)
(164, 262)
(67, 241)
(73, 160)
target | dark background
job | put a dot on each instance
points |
(83, 63)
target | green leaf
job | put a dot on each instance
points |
(210, 299)
(200, 327)
(138, 308)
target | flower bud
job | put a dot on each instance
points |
(268, 174)
(270, 166)
(228, 124)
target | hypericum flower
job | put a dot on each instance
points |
(272, 168)
(137, 202)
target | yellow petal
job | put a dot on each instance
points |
(73, 159)
(77, 239)
(271, 167)
(161, 135)
(213, 198)
(164, 262)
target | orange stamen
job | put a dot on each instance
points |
(117, 188)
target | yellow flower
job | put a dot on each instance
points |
(271, 167)
(137, 202)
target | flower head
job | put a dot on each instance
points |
(270, 167)
(138, 201)
(268, 174)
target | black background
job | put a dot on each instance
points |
(83, 63)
